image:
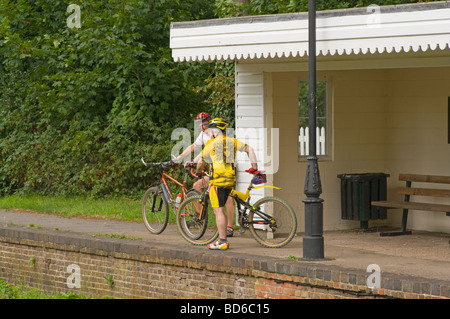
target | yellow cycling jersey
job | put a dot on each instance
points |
(221, 153)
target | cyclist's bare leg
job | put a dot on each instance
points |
(201, 183)
(221, 221)
(230, 211)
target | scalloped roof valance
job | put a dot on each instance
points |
(389, 29)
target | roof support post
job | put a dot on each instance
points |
(313, 242)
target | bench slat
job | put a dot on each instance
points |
(424, 178)
(407, 205)
(413, 205)
(423, 191)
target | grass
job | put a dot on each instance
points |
(116, 236)
(112, 208)
(8, 291)
(291, 257)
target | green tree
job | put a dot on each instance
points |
(80, 106)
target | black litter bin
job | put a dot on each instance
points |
(357, 193)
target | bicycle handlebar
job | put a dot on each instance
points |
(173, 162)
(163, 164)
(206, 174)
(196, 176)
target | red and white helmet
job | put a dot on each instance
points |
(203, 116)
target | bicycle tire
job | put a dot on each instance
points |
(155, 221)
(194, 231)
(284, 228)
(193, 192)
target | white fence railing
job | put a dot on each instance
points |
(303, 139)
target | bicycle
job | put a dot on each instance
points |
(271, 220)
(156, 200)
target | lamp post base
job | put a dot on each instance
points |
(313, 248)
(313, 243)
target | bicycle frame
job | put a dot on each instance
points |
(240, 199)
(168, 193)
(246, 196)
(244, 200)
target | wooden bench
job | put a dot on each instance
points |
(407, 204)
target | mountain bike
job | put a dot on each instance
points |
(156, 200)
(271, 220)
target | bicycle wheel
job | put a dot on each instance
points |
(155, 210)
(193, 192)
(194, 230)
(282, 226)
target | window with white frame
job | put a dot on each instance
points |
(323, 123)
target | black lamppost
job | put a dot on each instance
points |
(313, 243)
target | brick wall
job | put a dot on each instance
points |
(103, 267)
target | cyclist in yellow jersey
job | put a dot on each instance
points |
(220, 152)
(203, 182)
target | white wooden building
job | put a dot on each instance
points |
(387, 77)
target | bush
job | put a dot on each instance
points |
(81, 106)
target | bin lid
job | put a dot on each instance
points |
(362, 176)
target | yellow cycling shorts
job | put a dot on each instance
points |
(218, 196)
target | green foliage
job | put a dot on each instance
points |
(80, 106)
(8, 291)
(220, 84)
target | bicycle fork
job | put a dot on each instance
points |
(154, 200)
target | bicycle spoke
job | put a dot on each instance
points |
(155, 210)
(277, 230)
(196, 231)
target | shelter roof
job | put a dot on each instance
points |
(407, 28)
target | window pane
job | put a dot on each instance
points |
(321, 117)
